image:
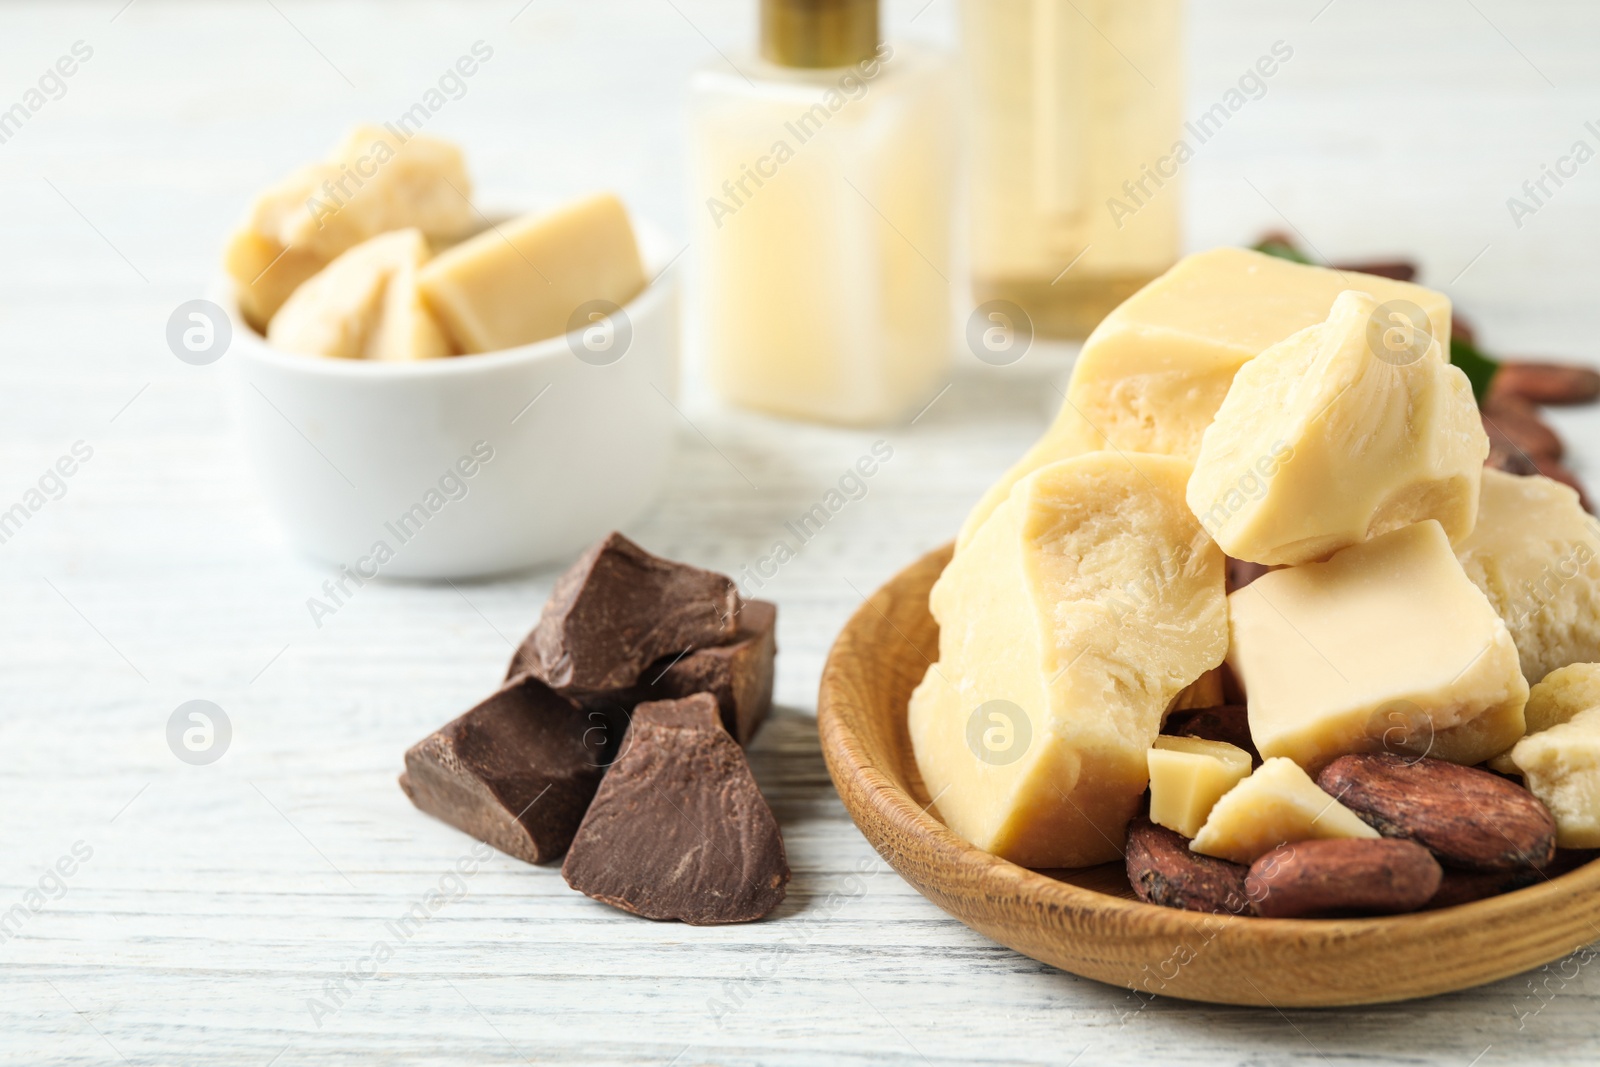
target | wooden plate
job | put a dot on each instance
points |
(1088, 921)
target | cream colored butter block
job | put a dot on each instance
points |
(1385, 646)
(363, 305)
(1277, 805)
(1154, 372)
(1561, 766)
(375, 180)
(1327, 439)
(528, 279)
(1534, 554)
(1188, 776)
(1079, 611)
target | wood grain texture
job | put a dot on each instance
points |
(1070, 920)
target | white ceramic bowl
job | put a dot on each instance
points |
(380, 467)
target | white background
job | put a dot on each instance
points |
(219, 899)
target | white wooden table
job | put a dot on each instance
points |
(217, 903)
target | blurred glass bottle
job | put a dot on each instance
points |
(1077, 108)
(821, 178)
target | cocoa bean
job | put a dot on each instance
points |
(1523, 431)
(1546, 383)
(1350, 876)
(1463, 887)
(1163, 871)
(1470, 819)
(1503, 457)
(1401, 270)
(1241, 572)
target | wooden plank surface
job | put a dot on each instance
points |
(221, 911)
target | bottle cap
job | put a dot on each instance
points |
(818, 33)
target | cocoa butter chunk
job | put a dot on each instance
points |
(1349, 876)
(617, 610)
(739, 674)
(1468, 818)
(517, 771)
(679, 829)
(1163, 871)
(1228, 723)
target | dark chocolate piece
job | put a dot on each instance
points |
(679, 829)
(617, 610)
(1228, 722)
(517, 771)
(1163, 870)
(738, 674)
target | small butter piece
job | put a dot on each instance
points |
(373, 182)
(1079, 611)
(1534, 554)
(525, 280)
(1561, 766)
(1277, 805)
(1188, 776)
(1561, 695)
(363, 305)
(407, 329)
(1326, 440)
(1384, 646)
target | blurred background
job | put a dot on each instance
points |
(1391, 131)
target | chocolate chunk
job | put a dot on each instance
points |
(617, 610)
(738, 674)
(1345, 876)
(679, 829)
(1470, 819)
(517, 771)
(1228, 722)
(1162, 870)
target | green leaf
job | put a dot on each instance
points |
(1283, 251)
(1478, 367)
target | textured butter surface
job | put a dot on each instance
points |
(1534, 554)
(1327, 439)
(1561, 766)
(1067, 626)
